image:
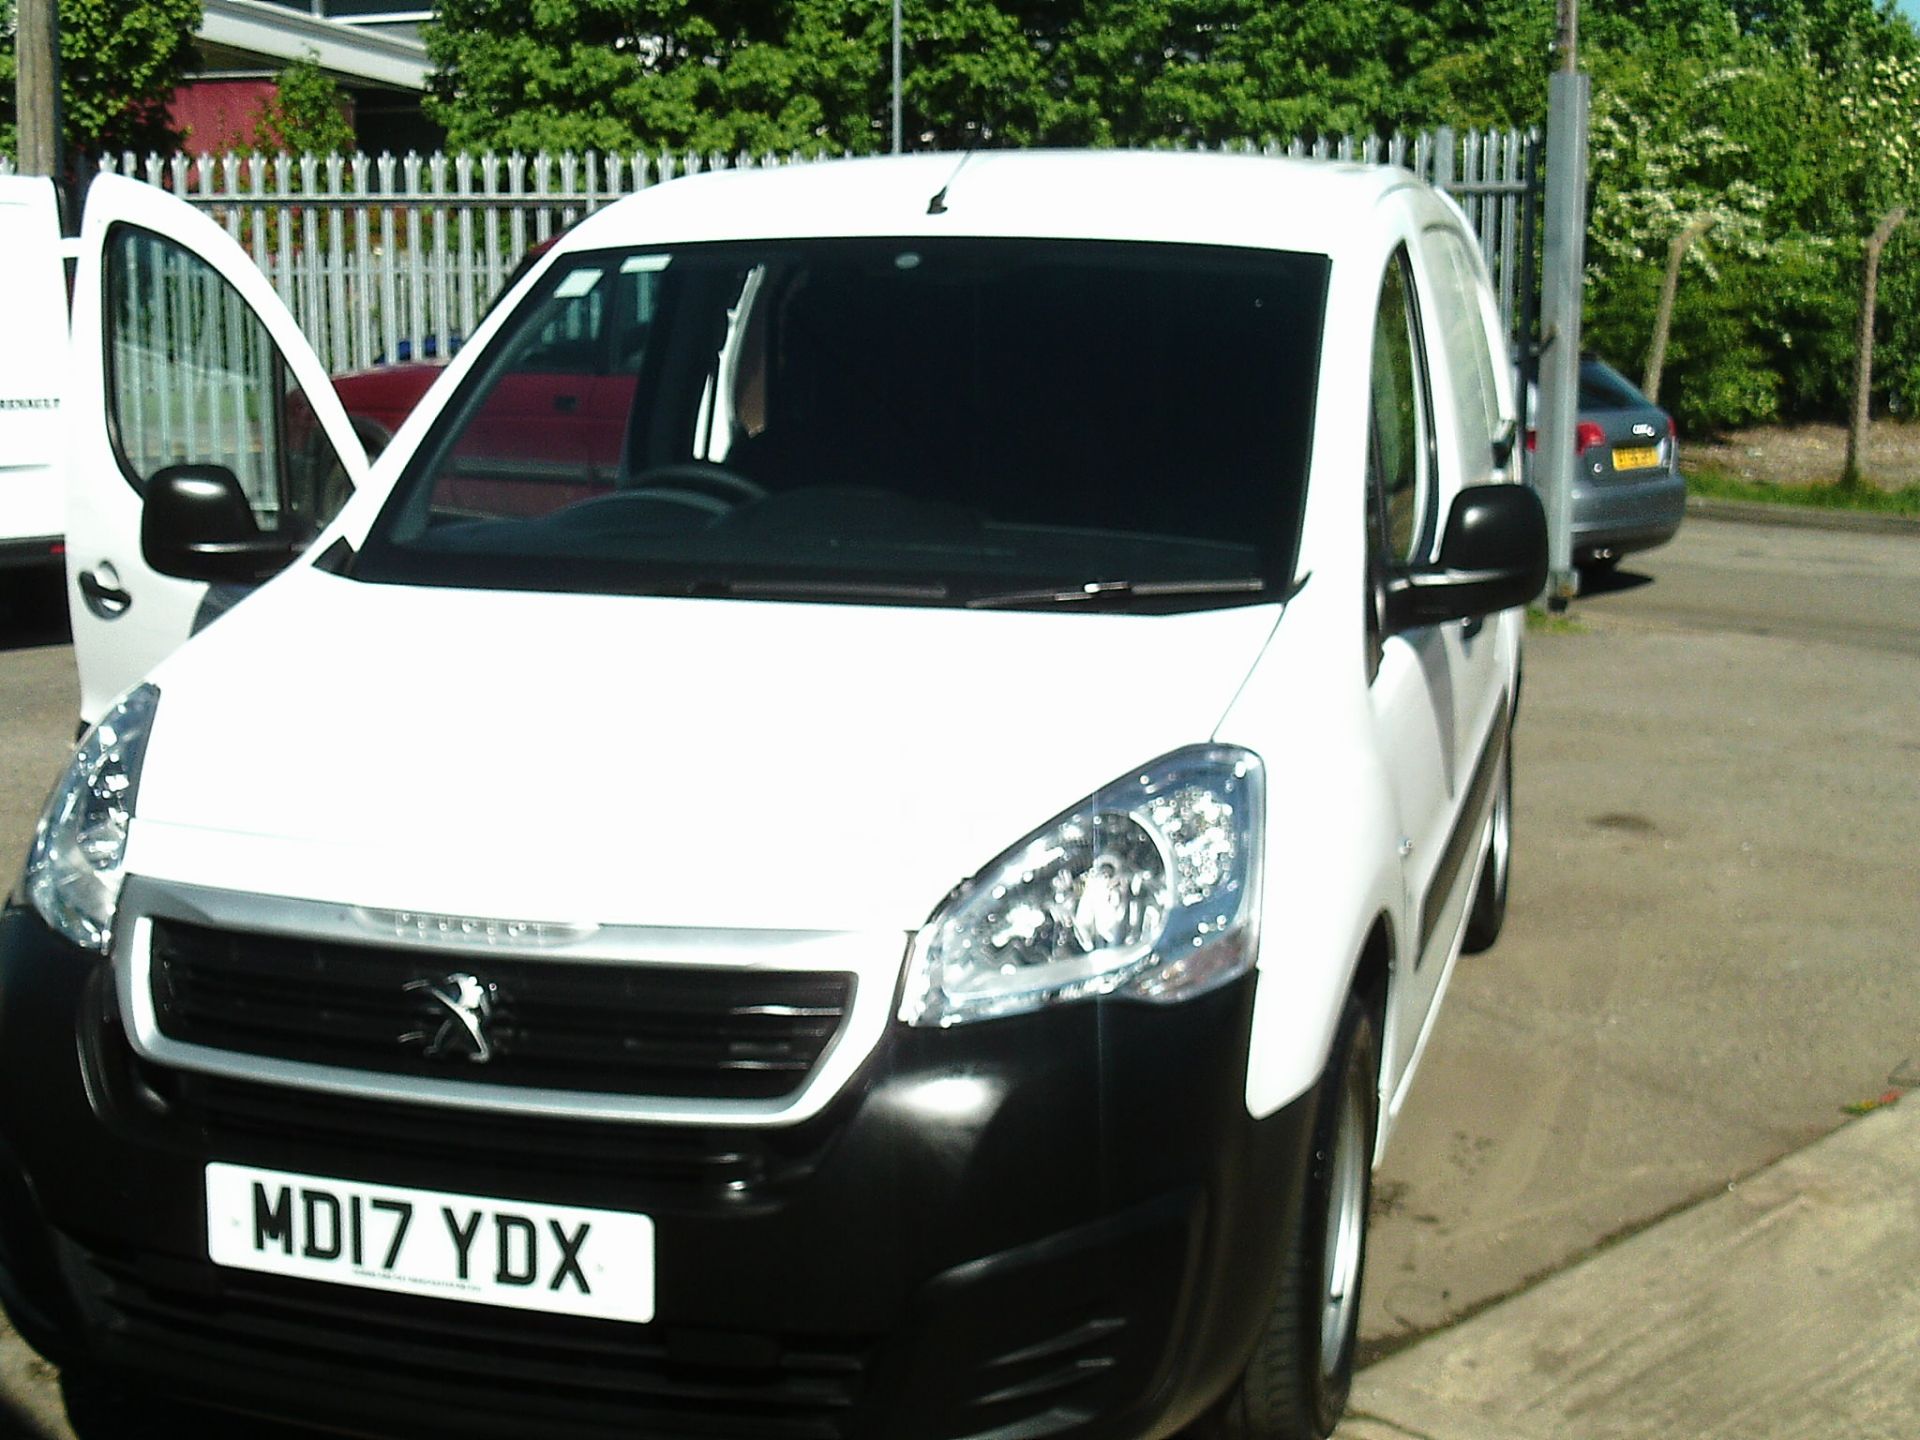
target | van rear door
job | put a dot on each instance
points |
(33, 360)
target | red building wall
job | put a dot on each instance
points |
(216, 116)
(220, 115)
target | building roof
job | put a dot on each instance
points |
(257, 34)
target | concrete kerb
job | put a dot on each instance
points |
(1804, 517)
(1787, 1307)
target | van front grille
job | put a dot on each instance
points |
(557, 1024)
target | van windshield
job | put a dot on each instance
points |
(963, 421)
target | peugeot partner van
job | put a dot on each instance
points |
(854, 834)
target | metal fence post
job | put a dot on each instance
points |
(1563, 268)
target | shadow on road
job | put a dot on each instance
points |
(102, 1412)
(1611, 582)
(16, 1425)
(33, 611)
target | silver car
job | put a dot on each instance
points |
(1628, 493)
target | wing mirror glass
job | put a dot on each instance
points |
(197, 525)
(1493, 556)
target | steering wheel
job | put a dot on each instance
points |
(614, 504)
(685, 479)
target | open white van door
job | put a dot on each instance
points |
(183, 355)
(33, 360)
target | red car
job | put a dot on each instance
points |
(555, 412)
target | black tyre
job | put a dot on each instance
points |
(1489, 911)
(1295, 1386)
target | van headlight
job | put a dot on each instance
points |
(1148, 889)
(73, 870)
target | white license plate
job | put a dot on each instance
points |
(557, 1258)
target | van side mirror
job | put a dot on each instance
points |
(197, 525)
(1493, 556)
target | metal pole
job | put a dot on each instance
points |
(1563, 264)
(899, 124)
(37, 86)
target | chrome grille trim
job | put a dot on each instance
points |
(874, 959)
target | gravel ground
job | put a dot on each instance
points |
(1799, 454)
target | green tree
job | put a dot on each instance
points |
(1196, 73)
(307, 115)
(723, 75)
(120, 62)
(1785, 125)
(1896, 363)
(1791, 124)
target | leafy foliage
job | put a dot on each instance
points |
(1792, 125)
(308, 115)
(724, 75)
(120, 61)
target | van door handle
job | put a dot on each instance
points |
(106, 600)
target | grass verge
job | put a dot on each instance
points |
(1540, 622)
(1718, 485)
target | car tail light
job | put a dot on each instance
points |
(1673, 430)
(1586, 435)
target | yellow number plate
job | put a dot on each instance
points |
(1636, 457)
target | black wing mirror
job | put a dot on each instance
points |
(1493, 556)
(197, 525)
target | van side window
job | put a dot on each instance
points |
(1469, 347)
(1402, 421)
(193, 377)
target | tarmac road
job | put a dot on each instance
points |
(1714, 918)
(1710, 945)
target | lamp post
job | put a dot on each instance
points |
(1563, 264)
(899, 128)
(37, 86)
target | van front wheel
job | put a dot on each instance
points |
(1296, 1383)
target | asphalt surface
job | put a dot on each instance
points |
(1714, 917)
(1708, 955)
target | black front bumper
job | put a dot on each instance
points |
(1085, 1248)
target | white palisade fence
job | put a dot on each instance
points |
(394, 257)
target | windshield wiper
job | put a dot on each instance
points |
(818, 590)
(1100, 590)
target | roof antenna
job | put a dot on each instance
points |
(938, 204)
